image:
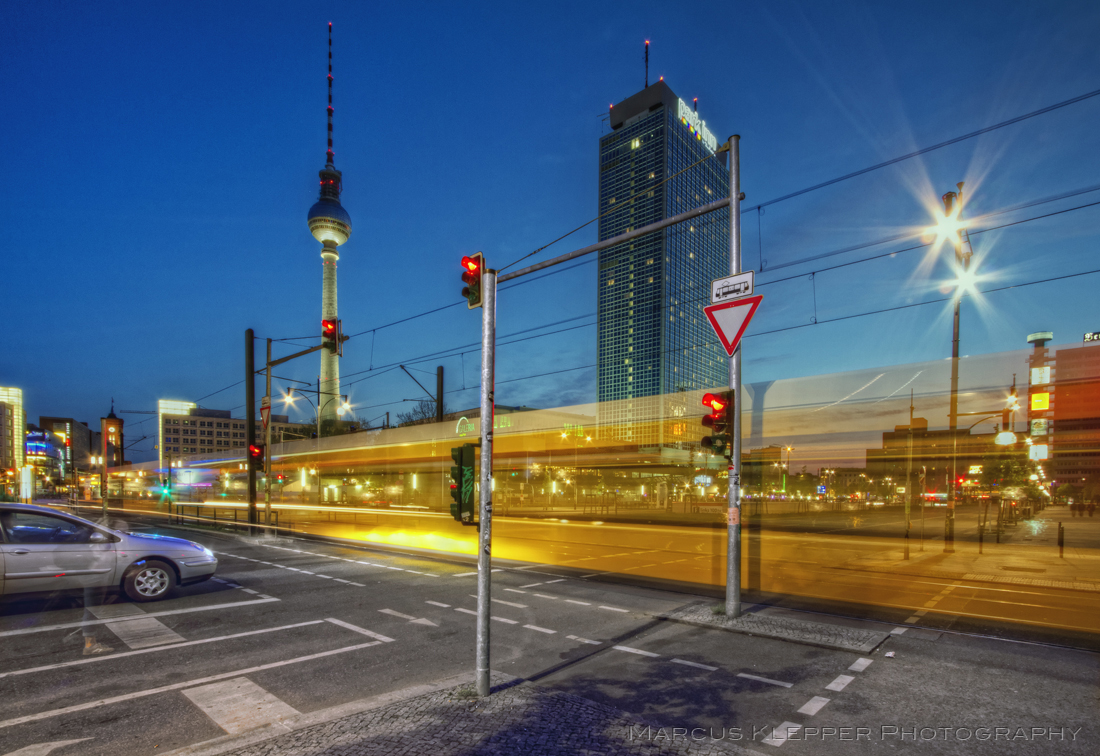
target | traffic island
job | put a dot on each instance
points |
(781, 628)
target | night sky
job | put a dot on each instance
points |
(159, 161)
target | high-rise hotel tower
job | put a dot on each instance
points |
(653, 337)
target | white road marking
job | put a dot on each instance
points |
(397, 614)
(813, 706)
(423, 621)
(399, 569)
(860, 664)
(358, 629)
(531, 585)
(898, 630)
(638, 651)
(141, 631)
(368, 564)
(178, 686)
(506, 603)
(249, 590)
(540, 629)
(41, 749)
(707, 667)
(583, 640)
(239, 705)
(66, 625)
(92, 659)
(358, 584)
(613, 609)
(920, 613)
(911, 620)
(465, 574)
(543, 595)
(514, 590)
(573, 601)
(307, 572)
(781, 733)
(839, 683)
(559, 580)
(767, 680)
(341, 580)
(504, 620)
(465, 611)
(437, 603)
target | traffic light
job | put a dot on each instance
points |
(332, 336)
(462, 484)
(256, 456)
(472, 268)
(718, 422)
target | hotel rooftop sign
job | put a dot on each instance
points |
(697, 125)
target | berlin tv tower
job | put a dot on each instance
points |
(330, 224)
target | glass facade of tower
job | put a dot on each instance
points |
(653, 338)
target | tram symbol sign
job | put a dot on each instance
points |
(732, 287)
(730, 319)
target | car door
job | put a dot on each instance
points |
(46, 552)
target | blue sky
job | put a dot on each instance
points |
(159, 162)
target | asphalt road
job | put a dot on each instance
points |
(299, 626)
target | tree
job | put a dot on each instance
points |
(422, 412)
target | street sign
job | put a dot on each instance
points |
(265, 409)
(732, 287)
(730, 319)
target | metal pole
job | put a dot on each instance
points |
(909, 477)
(485, 515)
(267, 443)
(733, 528)
(250, 417)
(439, 394)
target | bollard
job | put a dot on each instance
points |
(1061, 541)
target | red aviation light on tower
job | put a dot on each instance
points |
(472, 268)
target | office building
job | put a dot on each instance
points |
(193, 430)
(653, 337)
(13, 428)
(76, 438)
(1064, 409)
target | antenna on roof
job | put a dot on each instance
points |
(695, 104)
(647, 64)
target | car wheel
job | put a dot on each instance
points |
(149, 581)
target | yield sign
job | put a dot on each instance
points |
(265, 410)
(730, 319)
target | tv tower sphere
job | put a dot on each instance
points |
(328, 221)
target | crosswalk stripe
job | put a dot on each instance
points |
(239, 705)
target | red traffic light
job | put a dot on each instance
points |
(716, 403)
(255, 452)
(471, 264)
(328, 327)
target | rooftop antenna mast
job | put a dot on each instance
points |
(647, 64)
(329, 155)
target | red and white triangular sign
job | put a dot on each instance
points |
(730, 319)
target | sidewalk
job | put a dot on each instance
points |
(519, 718)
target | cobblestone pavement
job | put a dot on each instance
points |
(516, 719)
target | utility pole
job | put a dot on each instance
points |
(439, 393)
(267, 441)
(250, 417)
(962, 262)
(909, 476)
(733, 527)
(485, 515)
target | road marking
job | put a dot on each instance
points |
(368, 564)
(898, 630)
(361, 630)
(514, 590)
(437, 603)
(423, 621)
(505, 620)
(543, 595)
(860, 664)
(559, 580)
(931, 604)
(531, 585)
(613, 609)
(239, 705)
(179, 686)
(573, 601)
(42, 749)
(358, 584)
(307, 572)
(540, 629)
(584, 640)
(813, 706)
(911, 620)
(397, 614)
(93, 659)
(341, 580)
(781, 733)
(767, 680)
(166, 613)
(638, 651)
(399, 569)
(465, 611)
(839, 683)
(506, 603)
(707, 667)
(920, 613)
(465, 574)
(138, 630)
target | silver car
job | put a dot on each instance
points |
(42, 549)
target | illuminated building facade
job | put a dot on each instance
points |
(13, 428)
(1064, 410)
(76, 441)
(186, 428)
(653, 338)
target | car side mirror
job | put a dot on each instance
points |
(97, 537)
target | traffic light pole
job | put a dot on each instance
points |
(485, 515)
(733, 527)
(267, 441)
(250, 418)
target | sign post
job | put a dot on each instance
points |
(485, 515)
(733, 521)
